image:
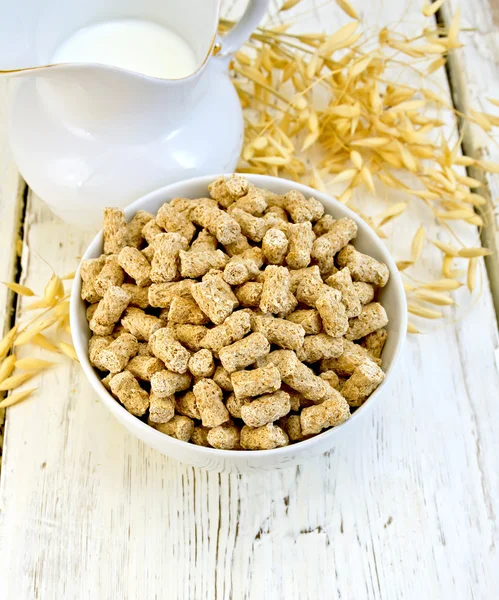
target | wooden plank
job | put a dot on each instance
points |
(405, 508)
(474, 77)
(11, 207)
(11, 211)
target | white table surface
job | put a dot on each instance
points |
(405, 508)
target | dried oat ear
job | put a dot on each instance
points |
(51, 315)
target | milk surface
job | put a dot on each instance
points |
(133, 44)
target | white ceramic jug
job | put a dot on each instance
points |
(86, 135)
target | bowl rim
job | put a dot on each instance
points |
(120, 412)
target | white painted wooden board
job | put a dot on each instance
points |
(11, 200)
(479, 61)
(405, 508)
(11, 188)
(475, 73)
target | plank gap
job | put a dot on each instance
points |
(455, 71)
(12, 299)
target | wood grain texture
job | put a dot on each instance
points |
(11, 210)
(474, 75)
(11, 205)
(404, 508)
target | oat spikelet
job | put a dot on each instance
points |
(447, 249)
(347, 8)
(447, 271)
(339, 39)
(438, 63)
(16, 398)
(69, 276)
(367, 179)
(374, 142)
(412, 328)
(454, 29)
(360, 66)
(22, 290)
(54, 290)
(390, 213)
(33, 364)
(474, 252)
(34, 329)
(444, 285)
(37, 304)
(345, 175)
(11, 383)
(356, 159)
(425, 313)
(469, 181)
(475, 220)
(7, 340)
(310, 140)
(41, 341)
(480, 119)
(7, 367)
(431, 8)
(454, 215)
(417, 244)
(68, 350)
(434, 297)
(61, 310)
(489, 166)
(471, 276)
(289, 4)
(402, 265)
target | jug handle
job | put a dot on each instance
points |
(241, 32)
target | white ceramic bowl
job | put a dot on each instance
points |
(392, 297)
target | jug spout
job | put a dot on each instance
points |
(32, 31)
(100, 100)
(87, 134)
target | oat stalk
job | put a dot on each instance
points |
(328, 109)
